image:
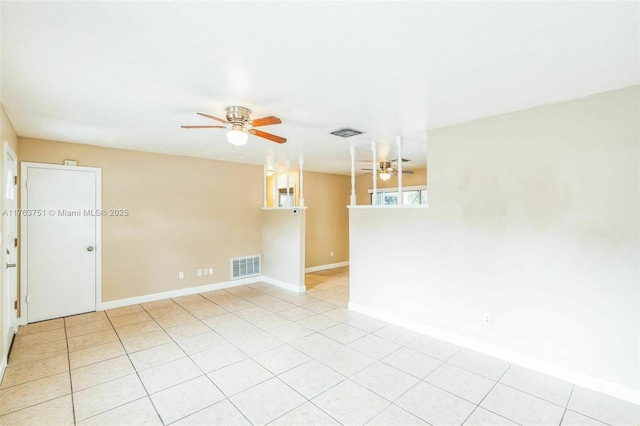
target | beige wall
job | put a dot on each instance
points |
(327, 229)
(185, 214)
(533, 216)
(7, 134)
(365, 182)
(327, 197)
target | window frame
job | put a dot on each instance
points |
(404, 189)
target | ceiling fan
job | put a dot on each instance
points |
(239, 124)
(386, 170)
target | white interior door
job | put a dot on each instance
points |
(9, 245)
(62, 240)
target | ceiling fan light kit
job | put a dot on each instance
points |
(240, 125)
(386, 169)
(236, 136)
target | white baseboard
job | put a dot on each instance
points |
(328, 266)
(513, 357)
(3, 366)
(177, 293)
(286, 286)
(198, 289)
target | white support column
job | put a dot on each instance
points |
(264, 189)
(301, 197)
(426, 174)
(275, 184)
(289, 203)
(352, 150)
(399, 200)
(374, 196)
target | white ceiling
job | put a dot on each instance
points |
(128, 74)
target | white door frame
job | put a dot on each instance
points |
(24, 277)
(10, 312)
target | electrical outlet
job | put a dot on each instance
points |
(331, 254)
(180, 275)
(210, 271)
(486, 318)
(205, 271)
(199, 272)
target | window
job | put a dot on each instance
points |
(413, 196)
(283, 199)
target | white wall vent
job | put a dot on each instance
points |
(249, 266)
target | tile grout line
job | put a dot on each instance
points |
(567, 409)
(307, 400)
(566, 406)
(251, 358)
(226, 397)
(134, 369)
(133, 366)
(73, 403)
(107, 381)
(138, 372)
(342, 321)
(119, 339)
(485, 396)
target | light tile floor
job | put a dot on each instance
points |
(258, 354)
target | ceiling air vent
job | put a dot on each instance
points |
(242, 267)
(346, 132)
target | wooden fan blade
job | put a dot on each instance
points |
(213, 118)
(407, 172)
(265, 121)
(203, 127)
(367, 169)
(261, 134)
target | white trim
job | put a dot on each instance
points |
(374, 200)
(301, 182)
(180, 292)
(404, 188)
(513, 357)
(3, 366)
(389, 206)
(264, 189)
(8, 308)
(399, 199)
(289, 203)
(197, 289)
(352, 152)
(286, 286)
(285, 208)
(328, 266)
(23, 231)
(275, 185)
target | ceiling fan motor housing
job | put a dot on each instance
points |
(238, 115)
(385, 165)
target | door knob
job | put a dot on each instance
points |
(90, 248)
